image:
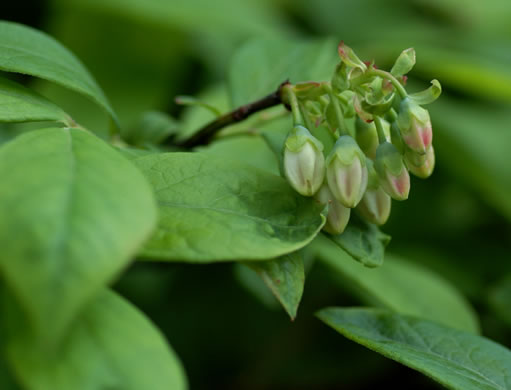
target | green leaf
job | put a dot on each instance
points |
(285, 278)
(74, 211)
(213, 209)
(260, 66)
(249, 149)
(401, 286)
(363, 241)
(20, 104)
(112, 346)
(456, 359)
(404, 63)
(28, 51)
(152, 129)
(429, 95)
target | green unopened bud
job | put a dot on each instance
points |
(338, 215)
(375, 206)
(304, 163)
(396, 138)
(346, 171)
(394, 177)
(415, 126)
(425, 169)
(367, 137)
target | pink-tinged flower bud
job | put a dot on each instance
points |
(394, 177)
(415, 126)
(304, 163)
(376, 203)
(425, 169)
(346, 171)
(375, 206)
(338, 215)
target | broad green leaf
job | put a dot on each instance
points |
(20, 104)
(212, 209)
(500, 298)
(74, 212)
(399, 285)
(260, 66)
(285, 278)
(251, 150)
(456, 359)
(363, 241)
(28, 51)
(152, 128)
(111, 346)
(275, 141)
(132, 153)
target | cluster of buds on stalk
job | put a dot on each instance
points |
(379, 134)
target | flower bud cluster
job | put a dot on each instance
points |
(382, 133)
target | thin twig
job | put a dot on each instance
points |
(204, 135)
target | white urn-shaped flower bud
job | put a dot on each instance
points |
(392, 172)
(304, 163)
(346, 171)
(338, 215)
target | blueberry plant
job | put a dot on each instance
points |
(77, 206)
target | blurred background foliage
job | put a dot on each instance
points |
(457, 224)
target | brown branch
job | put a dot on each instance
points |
(205, 134)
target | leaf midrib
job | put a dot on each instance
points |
(59, 246)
